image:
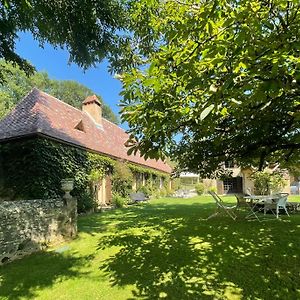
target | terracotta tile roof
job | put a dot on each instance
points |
(41, 113)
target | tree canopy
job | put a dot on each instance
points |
(17, 84)
(212, 80)
(86, 28)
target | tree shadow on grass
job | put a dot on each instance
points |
(38, 271)
(169, 252)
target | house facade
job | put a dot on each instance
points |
(295, 185)
(240, 181)
(40, 117)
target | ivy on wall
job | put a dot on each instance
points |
(138, 169)
(122, 179)
(33, 168)
(152, 181)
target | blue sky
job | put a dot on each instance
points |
(55, 63)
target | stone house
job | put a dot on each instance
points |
(43, 116)
(239, 182)
(295, 185)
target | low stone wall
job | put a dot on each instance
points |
(27, 226)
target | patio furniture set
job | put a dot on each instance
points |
(254, 204)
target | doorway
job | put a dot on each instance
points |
(233, 185)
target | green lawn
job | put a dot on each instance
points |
(165, 249)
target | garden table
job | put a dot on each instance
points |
(254, 201)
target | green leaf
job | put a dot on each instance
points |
(224, 111)
(206, 112)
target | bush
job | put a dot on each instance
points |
(267, 183)
(156, 193)
(277, 183)
(122, 180)
(199, 187)
(163, 192)
(170, 192)
(146, 190)
(212, 189)
(261, 182)
(175, 184)
(119, 201)
(209, 186)
(85, 203)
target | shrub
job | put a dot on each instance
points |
(266, 183)
(146, 189)
(85, 203)
(163, 192)
(156, 193)
(170, 192)
(277, 183)
(209, 186)
(199, 187)
(122, 180)
(261, 182)
(175, 184)
(119, 201)
(212, 189)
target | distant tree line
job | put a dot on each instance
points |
(17, 84)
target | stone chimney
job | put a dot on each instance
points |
(93, 107)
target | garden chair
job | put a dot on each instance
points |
(242, 203)
(222, 208)
(276, 204)
(291, 206)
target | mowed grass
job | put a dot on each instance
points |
(165, 250)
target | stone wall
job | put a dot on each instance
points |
(27, 226)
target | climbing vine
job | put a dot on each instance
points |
(34, 168)
(138, 169)
(122, 179)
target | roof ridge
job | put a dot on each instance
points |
(41, 113)
(21, 102)
(24, 106)
(73, 107)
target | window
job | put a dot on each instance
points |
(229, 164)
(79, 126)
(233, 185)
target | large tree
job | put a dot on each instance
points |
(212, 80)
(16, 85)
(86, 28)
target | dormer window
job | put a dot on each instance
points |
(80, 126)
